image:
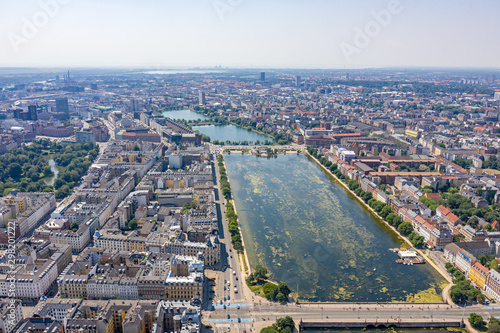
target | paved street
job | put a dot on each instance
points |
(266, 314)
(226, 281)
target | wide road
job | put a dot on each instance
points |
(257, 316)
(225, 281)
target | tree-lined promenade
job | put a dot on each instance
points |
(234, 229)
(257, 280)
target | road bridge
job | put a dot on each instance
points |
(362, 315)
(378, 324)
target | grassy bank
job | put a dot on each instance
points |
(232, 218)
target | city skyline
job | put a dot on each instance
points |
(258, 34)
(249, 166)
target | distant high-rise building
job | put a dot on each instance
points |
(201, 98)
(496, 97)
(17, 113)
(62, 105)
(32, 112)
(263, 76)
(93, 86)
(135, 105)
(297, 81)
(67, 79)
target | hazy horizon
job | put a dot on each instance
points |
(257, 34)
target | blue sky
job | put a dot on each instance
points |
(249, 33)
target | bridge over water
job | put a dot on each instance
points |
(370, 324)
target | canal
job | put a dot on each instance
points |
(308, 231)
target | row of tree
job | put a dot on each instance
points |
(241, 143)
(234, 230)
(488, 261)
(224, 183)
(462, 206)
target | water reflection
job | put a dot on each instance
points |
(51, 180)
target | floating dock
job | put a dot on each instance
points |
(409, 257)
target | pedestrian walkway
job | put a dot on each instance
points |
(231, 320)
(235, 305)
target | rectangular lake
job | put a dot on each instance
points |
(307, 230)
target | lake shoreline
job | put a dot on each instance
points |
(394, 230)
(235, 135)
(235, 124)
(238, 220)
(253, 130)
(403, 292)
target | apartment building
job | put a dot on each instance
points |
(77, 240)
(11, 314)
